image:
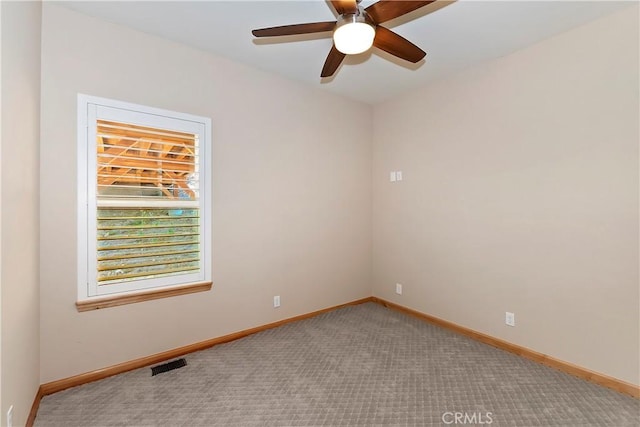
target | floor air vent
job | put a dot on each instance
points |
(175, 364)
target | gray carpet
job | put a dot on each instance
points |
(364, 365)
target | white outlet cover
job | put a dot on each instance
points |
(399, 176)
(392, 176)
(510, 319)
(398, 289)
(276, 301)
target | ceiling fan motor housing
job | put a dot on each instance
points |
(360, 16)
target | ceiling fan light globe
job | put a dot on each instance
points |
(354, 37)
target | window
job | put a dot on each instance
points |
(144, 199)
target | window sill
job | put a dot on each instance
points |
(114, 301)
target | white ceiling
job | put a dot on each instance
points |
(455, 37)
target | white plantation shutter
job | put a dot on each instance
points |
(136, 165)
(147, 225)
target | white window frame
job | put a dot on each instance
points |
(91, 108)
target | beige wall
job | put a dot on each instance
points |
(520, 193)
(19, 225)
(292, 192)
(1, 83)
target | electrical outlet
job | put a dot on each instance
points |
(510, 319)
(276, 301)
(398, 289)
(392, 176)
(10, 416)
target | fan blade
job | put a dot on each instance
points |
(334, 59)
(386, 10)
(397, 45)
(345, 6)
(290, 30)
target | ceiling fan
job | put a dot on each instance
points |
(356, 30)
